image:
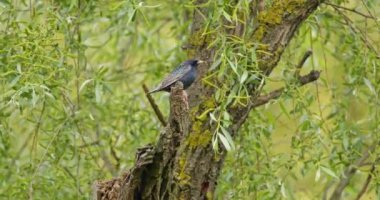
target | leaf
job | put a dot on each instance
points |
(204, 114)
(19, 68)
(34, 98)
(224, 141)
(227, 135)
(329, 172)
(283, 190)
(5, 2)
(227, 16)
(14, 81)
(215, 64)
(213, 117)
(98, 93)
(232, 65)
(215, 143)
(317, 174)
(132, 17)
(226, 116)
(282, 106)
(243, 77)
(84, 84)
(370, 86)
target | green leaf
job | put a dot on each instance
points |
(98, 93)
(329, 172)
(283, 108)
(233, 66)
(283, 190)
(370, 86)
(84, 84)
(224, 141)
(227, 135)
(227, 16)
(318, 174)
(243, 77)
(213, 117)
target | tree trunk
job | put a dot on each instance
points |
(183, 165)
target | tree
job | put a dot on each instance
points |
(58, 78)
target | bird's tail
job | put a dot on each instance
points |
(154, 90)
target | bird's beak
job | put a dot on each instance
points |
(201, 61)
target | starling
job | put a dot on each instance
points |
(186, 72)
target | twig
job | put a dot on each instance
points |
(350, 172)
(303, 80)
(302, 62)
(370, 13)
(38, 126)
(363, 36)
(114, 155)
(89, 144)
(154, 105)
(366, 183)
(350, 9)
(73, 177)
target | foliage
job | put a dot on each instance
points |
(72, 110)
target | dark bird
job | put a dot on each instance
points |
(186, 72)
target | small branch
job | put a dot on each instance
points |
(366, 183)
(350, 172)
(363, 36)
(349, 9)
(302, 62)
(154, 105)
(114, 155)
(303, 80)
(89, 144)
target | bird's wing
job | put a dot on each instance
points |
(177, 74)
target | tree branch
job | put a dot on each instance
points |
(350, 9)
(303, 80)
(363, 36)
(301, 63)
(366, 183)
(154, 106)
(350, 172)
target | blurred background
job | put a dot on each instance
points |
(72, 108)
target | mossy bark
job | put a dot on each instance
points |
(183, 165)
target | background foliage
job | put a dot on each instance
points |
(72, 110)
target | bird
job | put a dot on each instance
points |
(186, 73)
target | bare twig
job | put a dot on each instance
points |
(350, 172)
(366, 183)
(303, 80)
(349, 9)
(154, 105)
(302, 62)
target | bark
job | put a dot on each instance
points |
(182, 164)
